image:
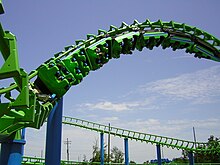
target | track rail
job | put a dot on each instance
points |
(68, 67)
(27, 160)
(142, 137)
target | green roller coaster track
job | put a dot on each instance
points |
(142, 137)
(132, 135)
(40, 161)
(36, 98)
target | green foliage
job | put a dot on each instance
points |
(117, 155)
(180, 160)
(95, 152)
(96, 156)
(209, 157)
(183, 159)
(203, 157)
(133, 162)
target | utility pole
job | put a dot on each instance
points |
(67, 142)
(109, 140)
(194, 135)
(41, 155)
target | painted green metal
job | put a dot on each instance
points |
(142, 137)
(40, 161)
(16, 108)
(27, 160)
(1, 8)
(68, 68)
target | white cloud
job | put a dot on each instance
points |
(203, 124)
(83, 139)
(175, 128)
(118, 107)
(201, 87)
(111, 119)
(198, 87)
(107, 105)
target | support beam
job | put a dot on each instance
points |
(126, 151)
(159, 154)
(54, 134)
(191, 158)
(102, 153)
(1, 8)
(13, 150)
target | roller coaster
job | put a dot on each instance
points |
(141, 137)
(28, 101)
(168, 142)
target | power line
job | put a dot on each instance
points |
(67, 142)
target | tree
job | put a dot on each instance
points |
(96, 155)
(95, 152)
(84, 158)
(180, 160)
(85, 161)
(183, 159)
(203, 157)
(213, 143)
(117, 155)
(133, 162)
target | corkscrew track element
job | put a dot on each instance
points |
(68, 68)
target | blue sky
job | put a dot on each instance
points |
(158, 91)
